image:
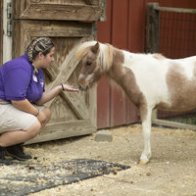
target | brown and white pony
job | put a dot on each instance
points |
(149, 80)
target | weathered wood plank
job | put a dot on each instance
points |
(61, 130)
(47, 10)
(176, 10)
(92, 102)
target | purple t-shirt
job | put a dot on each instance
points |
(19, 81)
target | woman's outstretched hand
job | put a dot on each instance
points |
(67, 87)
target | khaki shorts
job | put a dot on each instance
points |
(13, 119)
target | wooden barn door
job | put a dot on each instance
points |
(66, 23)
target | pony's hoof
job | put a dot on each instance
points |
(143, 161)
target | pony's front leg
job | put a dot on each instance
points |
(146, 128)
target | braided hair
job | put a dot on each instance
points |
(37, 45)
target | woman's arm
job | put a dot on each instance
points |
(49, 95)
(25, 106)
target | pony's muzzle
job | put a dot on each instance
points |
(82, 83)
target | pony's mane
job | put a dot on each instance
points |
(105, 55)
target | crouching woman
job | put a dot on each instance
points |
(22, 98)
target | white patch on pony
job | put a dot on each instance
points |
(188, 66)
(147, 71)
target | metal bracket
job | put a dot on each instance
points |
(9, 19)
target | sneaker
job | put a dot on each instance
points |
(17, 152)
(3, 160)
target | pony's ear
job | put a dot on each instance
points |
(95, 48)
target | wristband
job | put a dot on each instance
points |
(62, 86)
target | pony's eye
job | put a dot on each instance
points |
(88, 63)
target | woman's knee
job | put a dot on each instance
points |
(34, 130)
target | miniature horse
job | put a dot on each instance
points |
(149, 80)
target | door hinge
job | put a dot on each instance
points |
(9, 19)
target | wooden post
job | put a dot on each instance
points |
(152, 28)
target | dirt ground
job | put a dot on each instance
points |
(171, 171)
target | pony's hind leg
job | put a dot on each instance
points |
(146, 129)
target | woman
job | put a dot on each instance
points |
(22, 96)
